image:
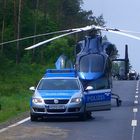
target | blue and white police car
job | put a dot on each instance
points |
(60, 93)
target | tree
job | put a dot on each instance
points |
(35, 27)
(18, 32)
(3, 24)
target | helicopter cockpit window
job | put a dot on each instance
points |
(92, 63)
(84, 64)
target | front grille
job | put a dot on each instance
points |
(60, 101)
(39, 109)
(77, 109)
(56, 110)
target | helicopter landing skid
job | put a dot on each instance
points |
(118, 100)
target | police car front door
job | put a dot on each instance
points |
(98, 100)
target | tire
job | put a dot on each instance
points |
(119, 102)
(89, 116)
(83, 116)
(33, 118)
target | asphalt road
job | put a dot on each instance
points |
(121, 123)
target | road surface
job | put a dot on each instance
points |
(121, 123)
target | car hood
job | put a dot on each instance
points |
(57, 93)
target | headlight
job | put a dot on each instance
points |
(76, 100)
(37, 100)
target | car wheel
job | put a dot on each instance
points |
(33, 118)
(89, 115)
(83, 116)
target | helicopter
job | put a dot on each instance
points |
(93, 62)
(91, 46)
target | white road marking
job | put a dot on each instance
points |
(136, 96)
(135, 110)
(134, 123)
(133, 133)
(136, 102)
(15, 124)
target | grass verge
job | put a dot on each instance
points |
(14, 88)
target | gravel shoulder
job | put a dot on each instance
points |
(14, 120)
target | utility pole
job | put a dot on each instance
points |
(126, 61)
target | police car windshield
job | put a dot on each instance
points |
(58, 84)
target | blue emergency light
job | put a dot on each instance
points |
(60, 73)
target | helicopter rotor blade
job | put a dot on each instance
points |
(125, 31)
(124, 34)
(117, 31)
(34, 36)
(49, 40)
(73, 31)
(76, 30)
(120, 32)
(134, 32)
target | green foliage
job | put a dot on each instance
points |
(15, 81)
(36, 18)
(44, 16)
(13, 105)
(115, 68)
(58, 47)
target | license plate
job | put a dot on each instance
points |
(56, 107)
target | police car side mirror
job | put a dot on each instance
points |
(32, 89)
(89, 88)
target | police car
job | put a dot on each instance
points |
(61, 93)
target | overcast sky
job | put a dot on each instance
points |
(121, 14)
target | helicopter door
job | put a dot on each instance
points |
(98, 96)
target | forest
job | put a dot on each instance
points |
(20, 69)
(23, 18)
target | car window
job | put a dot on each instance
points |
(101, 83)
(59, 84)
